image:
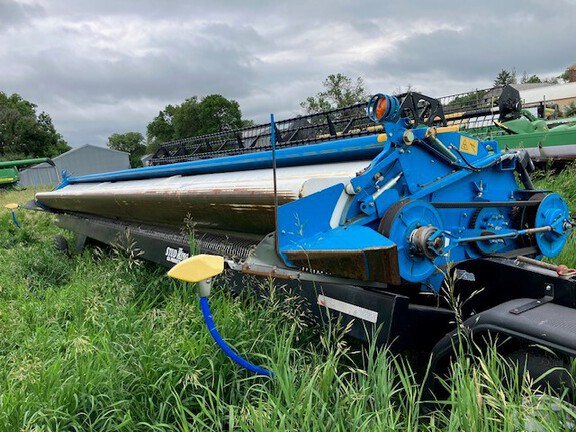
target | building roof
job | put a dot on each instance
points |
(89, 145)
(74, 150)
(549, 93)
(528, 86)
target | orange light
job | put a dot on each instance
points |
(381, 106)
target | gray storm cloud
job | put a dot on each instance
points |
(103, 67)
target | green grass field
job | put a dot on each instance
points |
(102, 342)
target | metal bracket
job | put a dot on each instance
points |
(548, 297)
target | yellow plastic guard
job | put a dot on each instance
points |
(453, 128)
(197, 268)
(11, 206)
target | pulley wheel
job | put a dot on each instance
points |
(398, 223)
(489, 220)
(552, 211)
(527, 219)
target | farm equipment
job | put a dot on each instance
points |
(369, 212)
(498, 114)
(9, 174)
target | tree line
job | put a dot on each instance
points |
(506, 76)
(24, 133)
(215, 113)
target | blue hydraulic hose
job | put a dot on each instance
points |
(224, 346)
(15, 220)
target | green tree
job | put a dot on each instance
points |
(24, 133)
(194, 117)
(467, 101)
(505, 77)
(130, 142)
(216, 113)
(533, 79)
(186, 119)
(161, 128)
(339, 91)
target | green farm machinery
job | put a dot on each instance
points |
(9, 174)
(498, 114)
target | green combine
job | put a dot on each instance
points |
(541, 140)
(9, 174)
(497, 114)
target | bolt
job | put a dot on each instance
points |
(548, 287)
(438, 243)
(371, 204)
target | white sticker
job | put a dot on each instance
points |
(175, 255)
(348, 308)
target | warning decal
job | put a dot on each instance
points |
(469, 145)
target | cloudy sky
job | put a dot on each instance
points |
(105, 66)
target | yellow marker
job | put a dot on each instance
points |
(382, 137)
(453, 115)
(197, 268)
(453, 128)
(469, 145)
(11, 206)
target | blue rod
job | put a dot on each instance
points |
(335, 151)
(224, 346)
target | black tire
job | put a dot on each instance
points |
(61, 244)
(538, 362)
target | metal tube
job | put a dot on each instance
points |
(513, 234)
(25, 162)
(242, 201)
(273, 142)
(537, 263)
(439, 145)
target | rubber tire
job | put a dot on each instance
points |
(61, 244)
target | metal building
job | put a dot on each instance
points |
(88, 159)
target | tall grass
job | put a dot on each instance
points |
(562, 181)
(100, 341)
